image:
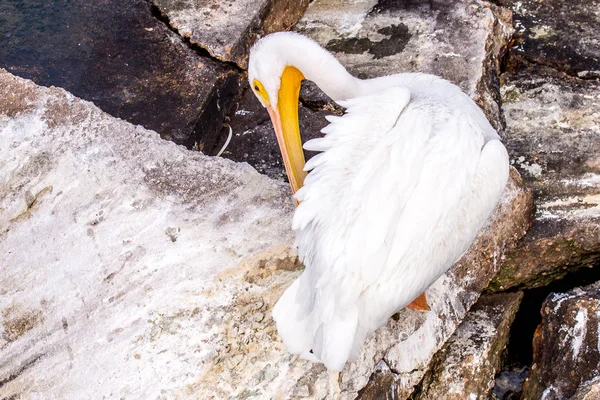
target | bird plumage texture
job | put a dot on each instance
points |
(403, 183)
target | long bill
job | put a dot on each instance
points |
(287, 128)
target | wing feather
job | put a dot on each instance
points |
(392, 174)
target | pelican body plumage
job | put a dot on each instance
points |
(404, 182)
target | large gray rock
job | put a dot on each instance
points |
(467, 364)
(566, 354)
(227, 29)
(551, 104)
(135, 268)
(123, 257)
(553, 138)
(119, 56)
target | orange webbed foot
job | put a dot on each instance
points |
(420, 303)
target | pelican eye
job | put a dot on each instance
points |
(260, 91)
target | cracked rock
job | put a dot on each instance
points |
(566, 356)
(117, 55)
(553, 138)
(227, 29)
(467, 364)
(382, 384)
(589, 390)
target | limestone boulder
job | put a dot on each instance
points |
(466, 365)
(551, 99)
(589, 390)
(226, 30)
(553, 138)
(120, 57)
(566, 357)
(130, 265)
(133, 267)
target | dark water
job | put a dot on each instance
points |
(67, 43)
(114, 53)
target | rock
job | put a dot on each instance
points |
(508, 384)
(589, 390)
(553, 138)
(466, 365)
(134, 267)
(227, 29)
(382, 384)
(130, 265)
(117, 55)
(566, 355)
(558, 33)
(461, 41)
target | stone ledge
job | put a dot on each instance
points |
(227, 30)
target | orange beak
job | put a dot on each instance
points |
(287, 127)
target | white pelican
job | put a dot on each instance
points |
(405, 180)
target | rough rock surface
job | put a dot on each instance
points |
(589, 390)
(566, 351)
(466, 364)
(465, 367)
(558, 33)
(118, 251)
(552, 104)
(381, 385)
(227, 29)
(508, 384)
(553, 138)
(127, 62)
(128, 256)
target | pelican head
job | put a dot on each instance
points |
(276, 81)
